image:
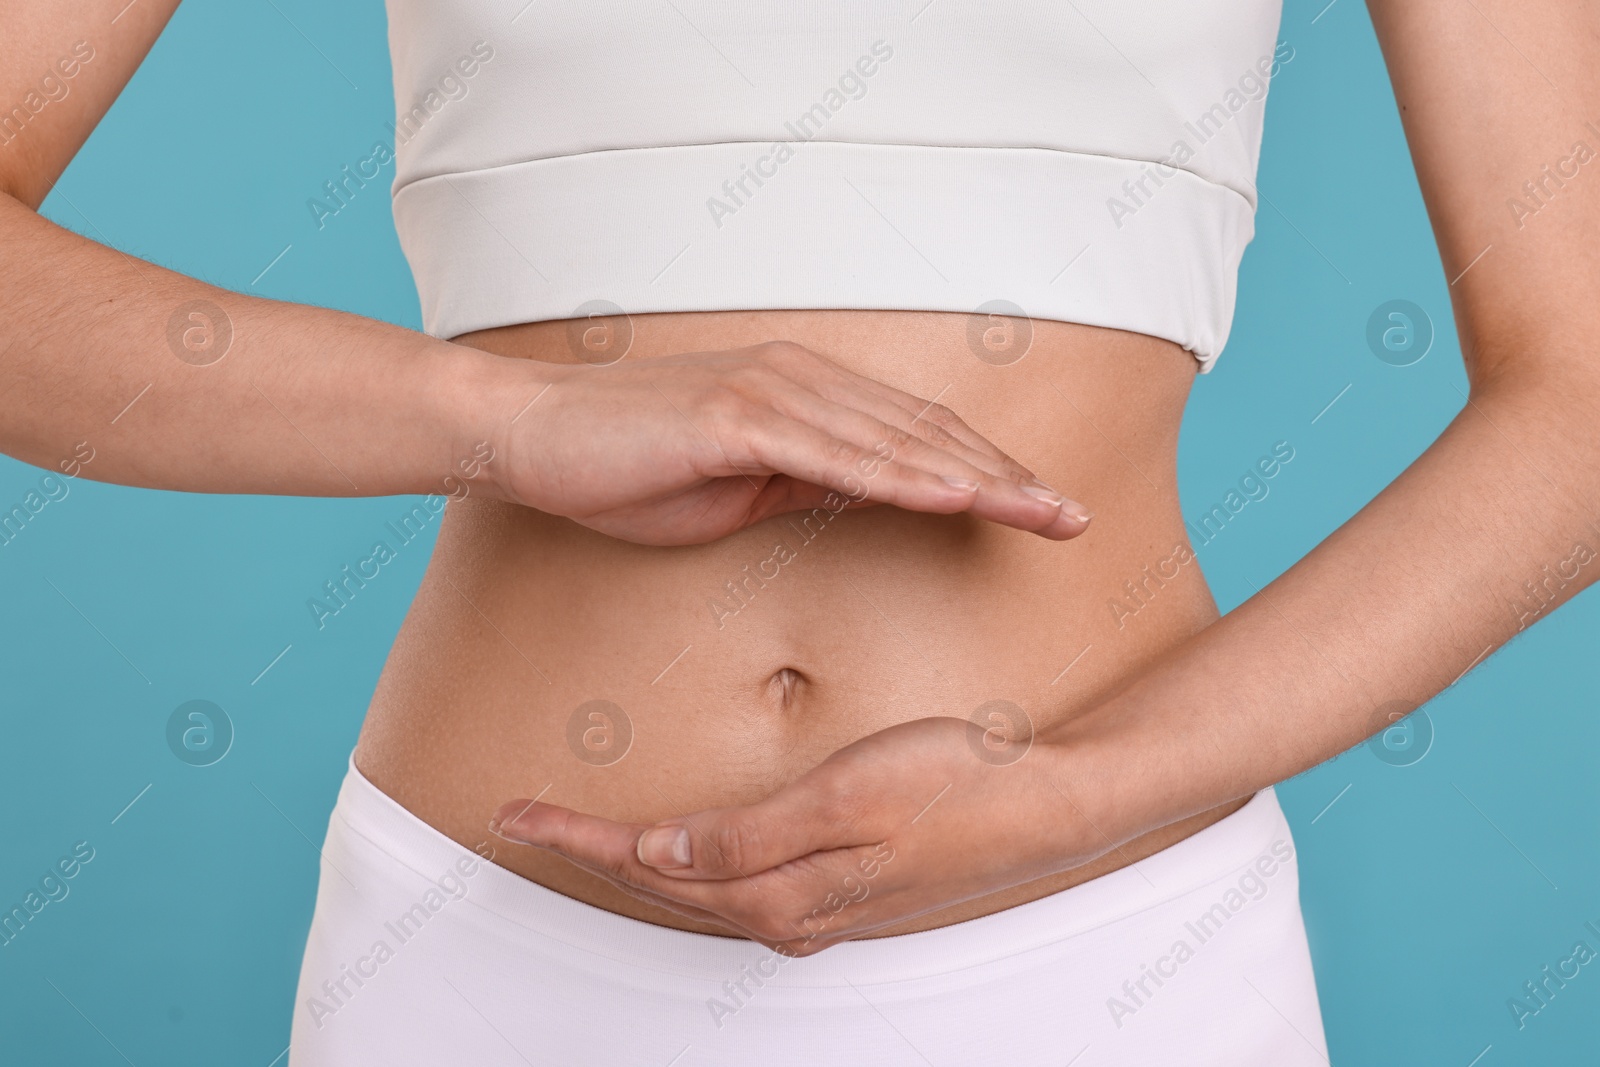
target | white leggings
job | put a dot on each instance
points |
(423, 953)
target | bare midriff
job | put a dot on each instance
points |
(543, 659)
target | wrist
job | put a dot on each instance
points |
(480, 403)
(1091, 782)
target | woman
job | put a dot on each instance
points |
(716, 280)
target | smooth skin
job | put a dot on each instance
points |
(729, 669)
(577, 563)
(670, 452)
(1394, 606)
(1190, 716)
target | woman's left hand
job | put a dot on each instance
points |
(914, 818)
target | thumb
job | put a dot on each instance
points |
(723, 843)
(784, 495)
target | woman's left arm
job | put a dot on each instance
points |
(1501, 105)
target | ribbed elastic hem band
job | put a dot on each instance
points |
(838, 225)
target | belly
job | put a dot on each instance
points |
(639, 682)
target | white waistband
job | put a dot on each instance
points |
(1218, 852)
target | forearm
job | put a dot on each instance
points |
(94, 347)
(1485, 533)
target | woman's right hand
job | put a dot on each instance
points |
(684, 449)
(294, 399)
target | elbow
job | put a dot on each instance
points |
(25, 189)
(11, 192)
(1544, 407)
(1553, 371)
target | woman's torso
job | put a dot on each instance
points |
(731, 668)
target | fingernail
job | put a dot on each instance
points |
(966, 485)
(1076, 511)
(1049, 496)
(665, 847)
(499, 831)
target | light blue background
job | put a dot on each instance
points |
(179, 942)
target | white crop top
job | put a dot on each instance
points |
(1087, 161)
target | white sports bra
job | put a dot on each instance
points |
(1088, 161)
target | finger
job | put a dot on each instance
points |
(929, 422)
(804, 819)
(660, 900)
(810, 454)
(610, 849)
(928, 419)
(782, 495)
(602, 842)
(793, 909)
(821, 374)
(604, 846)
(1000, 483)
(808, 904)
(600, 846)
(882, 427)
(791, 934)
(933, 423)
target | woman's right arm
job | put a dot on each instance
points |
(177, 384)
(100, 347)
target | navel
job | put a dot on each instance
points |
(785, 685)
